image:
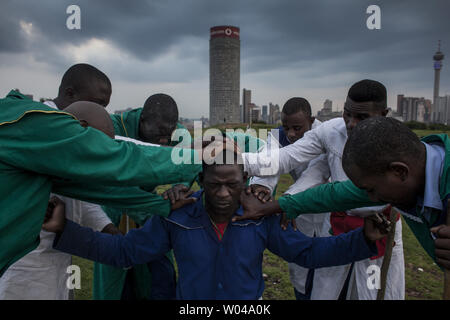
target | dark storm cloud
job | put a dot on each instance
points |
(328, 34)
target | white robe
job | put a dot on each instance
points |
(305, 176)
(42, 273)
(329, 139)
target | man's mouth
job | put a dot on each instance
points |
(223, 205)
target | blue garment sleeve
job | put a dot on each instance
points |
(138, 246)
(294, 246)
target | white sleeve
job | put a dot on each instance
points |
(268, 181)
(273, 161)
(93, 216)
(315, 174)
(138, 142)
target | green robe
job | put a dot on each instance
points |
(45, 150)
(340, 196)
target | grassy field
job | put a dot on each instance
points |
(424, 279)
(422, 133)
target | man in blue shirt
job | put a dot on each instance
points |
(216, 258)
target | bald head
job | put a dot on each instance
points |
(92, 115)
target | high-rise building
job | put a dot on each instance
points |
(264, 114)
(255, 112)
(224, 75)
(413, 108)
(274, 113)
(327, 111)
(328, 105)
(246, 101)
(442, 109)
(438, 57)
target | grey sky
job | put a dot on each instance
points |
(315, 48)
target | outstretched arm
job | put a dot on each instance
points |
(87, 154)
(308, 252)
(137, 247)
(336, 196)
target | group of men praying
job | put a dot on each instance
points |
(76, 180)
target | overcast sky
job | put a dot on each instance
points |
(315, 49)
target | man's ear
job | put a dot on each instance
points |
(69, 93)
(400, 169)
(84, 123)
(312, 119)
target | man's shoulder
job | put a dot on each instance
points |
(329, 129)
(189, 216)
(337, 123)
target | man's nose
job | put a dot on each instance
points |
(223, 192)
(291, 134)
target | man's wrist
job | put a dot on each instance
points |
(111, 229)
(369, 241)
(270, 208)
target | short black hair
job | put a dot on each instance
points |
(297, 104)
(222, 157)
(378, 141)
(369, 90)
(79, 76)
(160, 107)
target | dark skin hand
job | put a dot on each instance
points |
(261, 192)
(56, 203)
(179, 196)
(284, 222)
(264, 194)
(442, 245)
(111, 229)
(376, 228)
(174, 194)
(254, 209)
(55, 216)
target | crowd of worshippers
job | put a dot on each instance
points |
(76, 180)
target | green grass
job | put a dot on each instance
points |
(422, 133)
(423, 285)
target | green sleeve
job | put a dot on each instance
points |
(62, 148)
(126, 124)
(132, 199)
(336, 196)
(118, 127)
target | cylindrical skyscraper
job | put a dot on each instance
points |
(224, 75)
(438, 57)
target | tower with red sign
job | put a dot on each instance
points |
(224, 75)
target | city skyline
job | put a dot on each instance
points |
(314, 49)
